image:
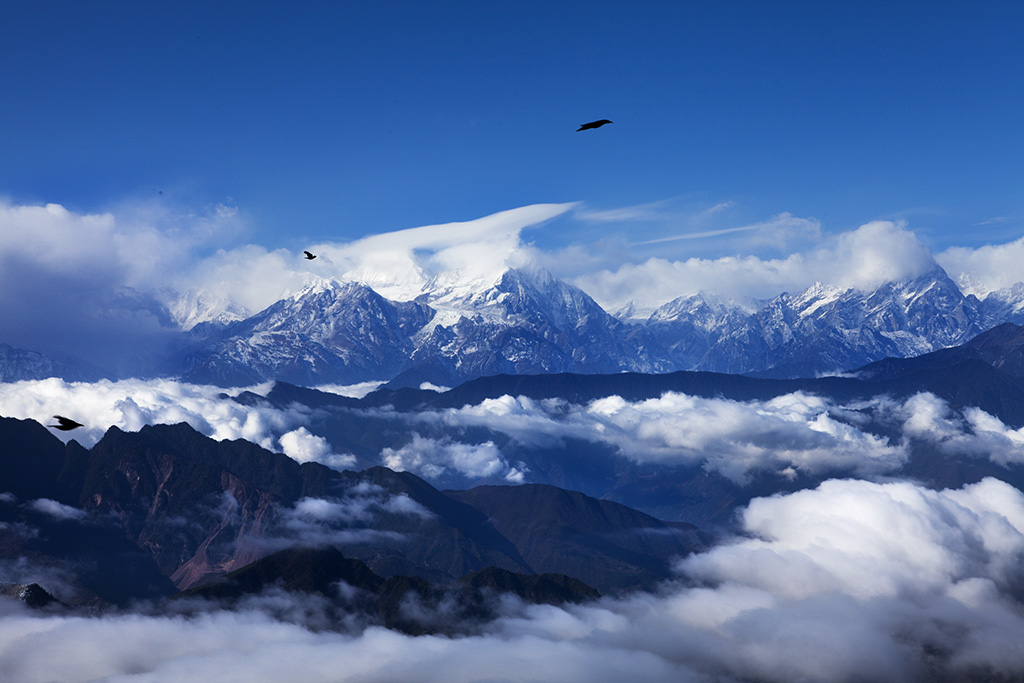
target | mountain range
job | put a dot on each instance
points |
(525, 321)
(143, 514)
(167, 523)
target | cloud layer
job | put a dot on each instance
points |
(849, 581)
(863, 259)
(792, 434)
(795, 432)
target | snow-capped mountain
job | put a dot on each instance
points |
(525, 321)
(687, 327)
(827, 328)
(328, 332)
(197, 307)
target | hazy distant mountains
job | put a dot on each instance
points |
(22, 364)
(524, 321)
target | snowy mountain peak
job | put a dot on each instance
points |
(467, 323)
(322, 285)
(195, 307)
(816, 297)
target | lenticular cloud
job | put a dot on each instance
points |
(849, 581)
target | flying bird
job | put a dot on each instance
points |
(65, 424)
(593, 124)
(309, 256)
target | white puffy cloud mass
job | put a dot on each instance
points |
(790, 434)
(862, 259)
(91, 284)
(302, 446)
(985, 269)
(734, 438)
(850, 581)
(132, 404)
(431, 458)
(56, 510)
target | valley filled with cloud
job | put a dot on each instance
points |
(850, 580)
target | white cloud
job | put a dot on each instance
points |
(57, 510)
(985, 269)
(971, 432)
(302, 446)
(132, 404)
(873, 254)
(86, 283)
(343, 519)
(862, 259)
(350, 390)
(849, 581)
(780, 231)
(399, 264)
(734, 438)
(432, 458)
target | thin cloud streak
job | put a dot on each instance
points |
(698, 235)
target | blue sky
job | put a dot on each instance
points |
(336, 120)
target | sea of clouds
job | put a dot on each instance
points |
(863, 578)
(789, 434)
(852, 580)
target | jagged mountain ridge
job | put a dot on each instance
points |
(827, 329)
(172, 505)
(525, 321)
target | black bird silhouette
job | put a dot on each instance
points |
(309, 256)
(593, 124)
(65, 423)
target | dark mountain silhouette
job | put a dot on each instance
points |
(349, 587)
(596, 541)
(33, 595)
(304, 570)
(178, 506)
(538, 589)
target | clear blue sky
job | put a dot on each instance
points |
(334, 120)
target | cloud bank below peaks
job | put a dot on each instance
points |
(133, 404)
(849, 581)
(789, 434)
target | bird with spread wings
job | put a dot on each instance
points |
(593, 124)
